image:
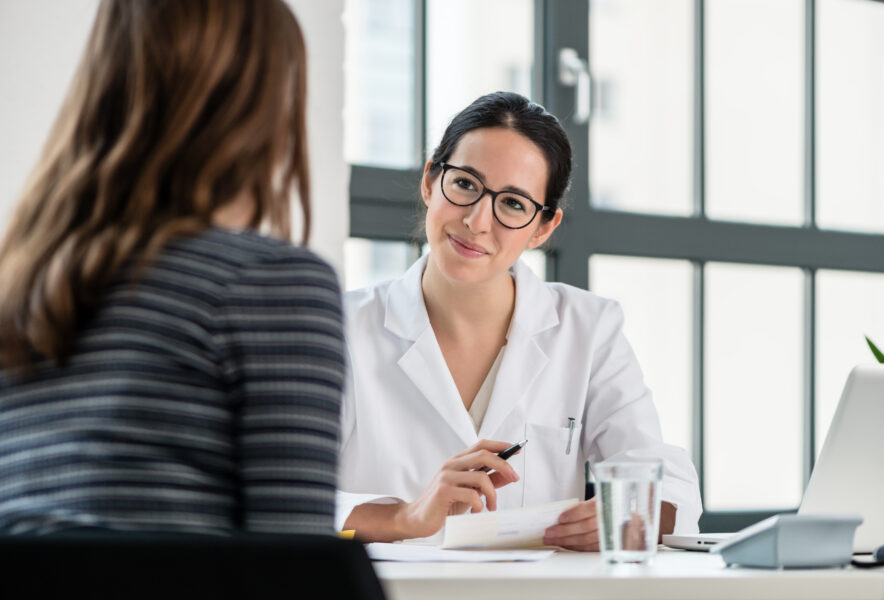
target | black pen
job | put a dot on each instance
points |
(505, 454)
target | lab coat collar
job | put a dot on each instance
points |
(523, 359)
(535, 304)
(406, 313)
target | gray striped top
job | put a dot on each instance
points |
(203, 398)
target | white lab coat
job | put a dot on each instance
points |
(566, 356)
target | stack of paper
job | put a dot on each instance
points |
(514, 528)
(419, 553)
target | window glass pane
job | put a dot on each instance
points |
(753, 387)
(848, 309)
(475, 47)
(849, 115)
(641, 128)
(379, 99)
(754, 73)
(367, 262)
(656, 298)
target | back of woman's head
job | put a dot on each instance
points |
(178, 108)
(513, 111)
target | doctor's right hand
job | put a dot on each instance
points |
(459, 486)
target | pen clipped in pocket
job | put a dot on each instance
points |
(551, 473)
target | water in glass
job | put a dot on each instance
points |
(629, 510)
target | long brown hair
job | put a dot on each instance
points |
(177, 108)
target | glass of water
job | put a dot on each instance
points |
(628, 509)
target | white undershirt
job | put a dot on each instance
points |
(483, 396)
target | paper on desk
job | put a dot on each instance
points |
(419, 553)
(513, 528)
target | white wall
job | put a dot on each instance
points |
(330, 173)
(40, 46)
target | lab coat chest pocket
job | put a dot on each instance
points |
(551, 472)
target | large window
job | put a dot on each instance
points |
(727, 191)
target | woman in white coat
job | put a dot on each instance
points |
(469, 352)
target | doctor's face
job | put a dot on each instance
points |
(468, 243)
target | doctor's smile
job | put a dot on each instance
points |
(465, 249)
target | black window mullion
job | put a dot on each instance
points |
(383, 202)
(699, 281)
(698, 438)
(699, 30)
(810, 113)
(809, 437)
(420, 80)
(538, 66)
(809, 359)
(566, 25)
(693, 238)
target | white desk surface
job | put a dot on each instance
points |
(675, 575)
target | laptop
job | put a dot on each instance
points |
(849, 475)
(699, 542)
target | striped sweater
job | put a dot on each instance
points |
(202, 398)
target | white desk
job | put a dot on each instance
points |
(673, 575)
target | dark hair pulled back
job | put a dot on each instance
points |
(513, 111)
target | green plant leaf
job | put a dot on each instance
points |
(878, 354)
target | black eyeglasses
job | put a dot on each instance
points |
(511, 209)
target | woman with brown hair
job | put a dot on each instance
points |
(165, 367)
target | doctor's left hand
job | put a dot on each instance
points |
(578, 528)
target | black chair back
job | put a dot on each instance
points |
(132, 565)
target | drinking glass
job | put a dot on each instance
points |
(628, 509)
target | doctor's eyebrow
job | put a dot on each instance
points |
(481, 175)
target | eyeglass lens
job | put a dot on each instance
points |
(463, 188)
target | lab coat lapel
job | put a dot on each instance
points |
(523, 359)
(423, 363)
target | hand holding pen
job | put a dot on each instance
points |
(460, 485)
(505, 454)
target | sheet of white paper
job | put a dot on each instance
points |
(513, 528)
(419, 553)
